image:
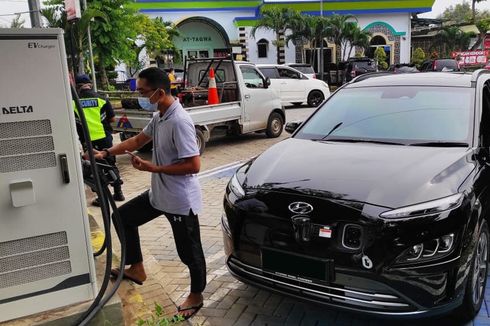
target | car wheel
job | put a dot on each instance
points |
(477, 278)
(315, 98)
(201, 143)
(274, 125)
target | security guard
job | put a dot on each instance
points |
(99, 115)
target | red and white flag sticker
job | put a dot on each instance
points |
(325, 232)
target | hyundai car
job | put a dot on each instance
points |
(378, 203)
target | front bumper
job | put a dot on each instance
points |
(348, 292)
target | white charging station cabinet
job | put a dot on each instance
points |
(46, 259)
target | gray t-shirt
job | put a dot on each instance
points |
(174, 138)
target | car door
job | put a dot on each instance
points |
(255, 98)
(292, 85)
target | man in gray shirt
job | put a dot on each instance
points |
(175, 191)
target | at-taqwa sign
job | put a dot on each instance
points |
(467, 58)
(73, 11)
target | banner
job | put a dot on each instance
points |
(73, 10)
(467, 58)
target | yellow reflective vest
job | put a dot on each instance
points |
(92, 108)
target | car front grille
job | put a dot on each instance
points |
(332, 294)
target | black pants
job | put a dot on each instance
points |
(139, 211)
(107, 143)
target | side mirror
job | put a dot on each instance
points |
(292, 126)
(267, 82)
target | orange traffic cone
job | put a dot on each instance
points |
(212, 90)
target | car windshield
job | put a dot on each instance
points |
(446, 65)
(407, 115)
(304, 69)
(363, 64)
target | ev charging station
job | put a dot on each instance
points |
(46, 259)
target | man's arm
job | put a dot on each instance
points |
(130, 145)
(189, 165)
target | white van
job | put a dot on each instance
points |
(293, 86)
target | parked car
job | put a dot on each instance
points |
(444, 65)
(403, 68)
(304, 68)
(378, 203)
(357, 66)
(294, 87)
(247, 103)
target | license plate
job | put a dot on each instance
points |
(296, 266)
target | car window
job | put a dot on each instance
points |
(446, 65)
(404, 114)
(304, 69)
(218, 74)
(252, 77)
(288, 73)
(270, 72)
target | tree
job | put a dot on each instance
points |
(418, 57)
(154, 35)
(483, 26)
(17, 22)
(277, 20)
(450, 39)
(337, 33)
(309, 29)
(464, 13)
(380, 57)
(473, 9)
(357, 38)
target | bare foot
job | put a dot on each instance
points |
(135, 272)
(193, 300)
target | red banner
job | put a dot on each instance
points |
(468, 58)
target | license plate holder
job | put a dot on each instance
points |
(297, 266)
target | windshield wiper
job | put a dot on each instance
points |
(356, 140)
(441, 144)
(331, 131)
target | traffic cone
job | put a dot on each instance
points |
(212, 90)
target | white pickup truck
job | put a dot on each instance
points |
(247, 104)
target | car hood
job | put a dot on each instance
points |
(383, 175)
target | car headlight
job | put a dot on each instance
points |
(236, 187)
(427, 251)
(428, 208)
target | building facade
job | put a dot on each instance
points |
(213, 28)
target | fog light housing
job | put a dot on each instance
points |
(427, 251)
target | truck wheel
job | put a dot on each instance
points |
(315, 98)
(201, 143)
(477, 278)
(274, 125)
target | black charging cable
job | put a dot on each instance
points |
(102, 192)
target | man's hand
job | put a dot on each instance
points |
(99, 155)
(141, 164)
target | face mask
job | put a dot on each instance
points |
(146, 105)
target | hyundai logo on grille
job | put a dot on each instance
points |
(300, 208)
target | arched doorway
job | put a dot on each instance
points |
(201, 37)
(376, 42)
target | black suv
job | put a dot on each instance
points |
(357, 66)
(378, 203)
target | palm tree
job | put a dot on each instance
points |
(309, 29)
(339, 24)
(277, 20)
(473, 8)
(451, 39)
(359, 38)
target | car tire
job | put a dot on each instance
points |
(315, 98)
(201, 143)
(477, 278)
(275, 125)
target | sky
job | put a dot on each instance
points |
(14, 6)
